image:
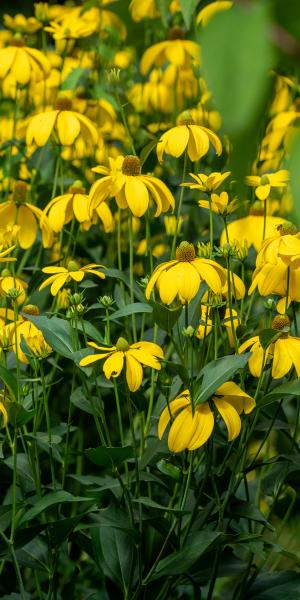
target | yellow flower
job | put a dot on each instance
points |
(27, 217)
(250, 229)
(33, 337)
(207, 183)
(62, 209)
(153, 95)
(266, 182)
(176, 50)
(135, 355)
(21, 24)
(8, 282)
(24, 64)
(171, 225)
(3, 409)
(195, 138)
(4, 254)
(124, 181)
(61, 275)
(285, 351)
(191, 429)
(205, 15)
(139, 9)
(184, 275)
(65, 125)
(219, 203)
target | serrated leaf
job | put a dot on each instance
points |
(104, 457)
(217, 372)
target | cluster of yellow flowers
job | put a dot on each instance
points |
(74, 109)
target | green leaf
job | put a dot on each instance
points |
(114, 552)
(287, 15)
(294, 177)
(76, 78)
(217, 372)
(187, 9)
(291, 388)
(147, 150)
(247, 510)
(229, 44)
(48, 501)
(79, 399)
(18, 415)
(105, 457)
(9, 380)
(57, 332)
(268, 336)
(130, 309)
(152, 504)
(275, 586)
(165, 317)
(163, 7)
(183, 560)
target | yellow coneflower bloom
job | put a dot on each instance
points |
(131, 189)
(284, 352)
(191, 429)
(152, 95)
(33, 338)
(141, 9)
(207, 183)
(21, 24)
(182, 53)
(24, 64)
(134, 356)
(8, 282)
(266, 182)
(195, 138)
(66, 125)
(61, 275)
(219, 203)
(62, 209)
(27, 217)
(205, 15)
(182, 277)
(250, 229)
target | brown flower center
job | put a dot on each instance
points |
(287, 228)
(282, 323)
(77, 187)
(31, 309)
(176, 33)
(257, 209)
(63, 104)
(185, 252)
(122, 345)
(17, 41)
(19, 192)
(264, 180)
(131, 165)
(185, 118)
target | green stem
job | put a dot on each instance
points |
(179, 209)
(131, 279)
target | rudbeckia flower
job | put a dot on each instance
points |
(8, 282)
(61, 275)
(195, 138)
(33, 337)
(266, 182)
(124, 181)
(219, 203)
(250, 229)
(182, 277)
(176, 50)
(207, 183)
(24, 64)
(3, 409)
(285, 351)
(21, 24)
(135, 356)
(26, 216)
(190, 430)
(66, 125)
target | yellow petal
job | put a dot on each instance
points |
(174, 406)
(68, 127)
(204, 428)
(40, 128)
(182, 430)
(137, 196)
(58, 283)
(28, 227)
(230, 417)
(113, 365)
(144, 357)
(134, 372)
(91, 358)
(177, 140)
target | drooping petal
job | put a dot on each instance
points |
(91, 358)
(150, 347)
(155, 275)
(177, 140)
(68, 127)
(134, 372)
(204, 428)
(182, 430)
(28, 227)
(137, 196)
(40, 128)
(292, 346)
(230, 417)
(144, 357)
(113, 365)
(180, 402)
(58, 283)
